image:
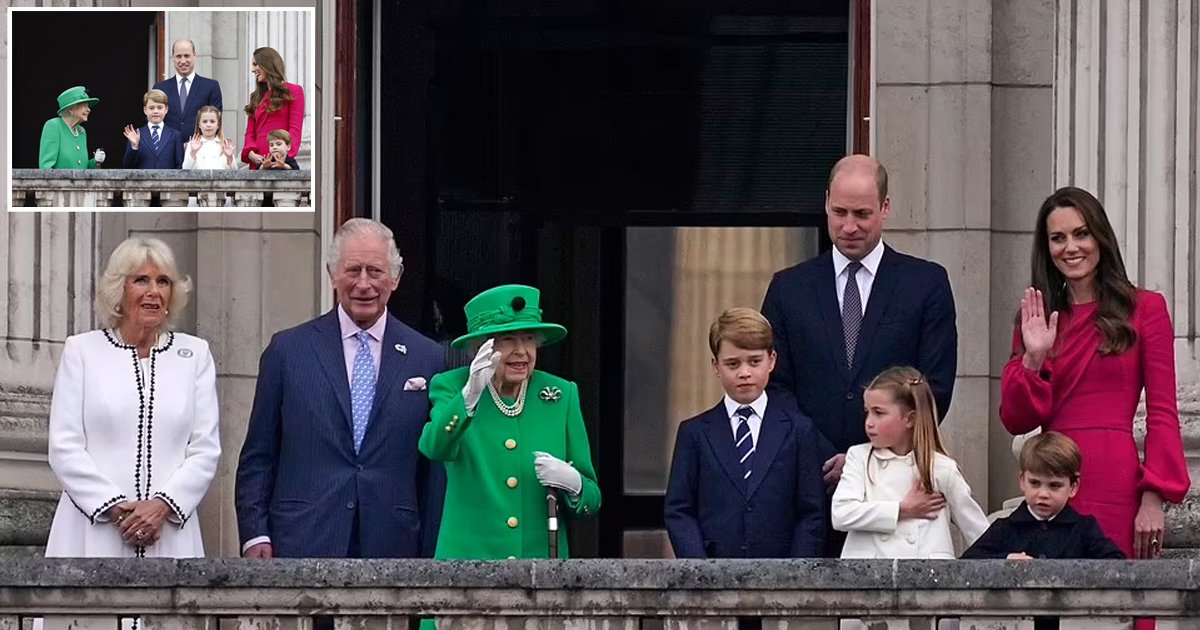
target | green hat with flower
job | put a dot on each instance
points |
(74, 96)
(506, 309)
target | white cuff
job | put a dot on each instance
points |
(255, 541)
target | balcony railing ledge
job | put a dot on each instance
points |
(103, 188)
(616, 588)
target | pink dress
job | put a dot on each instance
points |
(1091, 398)
(289, 117)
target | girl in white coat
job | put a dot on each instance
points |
(900, 492)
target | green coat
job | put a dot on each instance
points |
(495, 508)
(62, 149)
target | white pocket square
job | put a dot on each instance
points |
(415, 384)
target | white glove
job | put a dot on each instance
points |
(99, 156)
(482, 369)
(553, 472)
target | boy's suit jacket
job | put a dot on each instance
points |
(711, 513)
(168, 155)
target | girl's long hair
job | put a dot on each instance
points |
(220, 125)
(1114, 292)
(911, 392)
(271, 63)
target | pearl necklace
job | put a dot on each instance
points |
(514, 409)
(73, 129)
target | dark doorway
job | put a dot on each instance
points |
(538, 146)
(108, 52)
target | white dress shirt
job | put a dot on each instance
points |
(191, 82)
(865, 276)
(755, 420)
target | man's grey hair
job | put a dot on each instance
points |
(355, 228)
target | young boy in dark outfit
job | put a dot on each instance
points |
(1044, 525)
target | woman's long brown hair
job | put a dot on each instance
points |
(911, 392)
(1114, 292)
(271, 63)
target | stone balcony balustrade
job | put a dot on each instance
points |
(131, 188)
(599, 594)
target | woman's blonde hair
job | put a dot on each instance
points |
(126, 259)
(911, 392)
(220, 125)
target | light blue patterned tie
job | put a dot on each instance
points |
(362, 388)
(744, 441)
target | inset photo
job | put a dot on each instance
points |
(168, 108)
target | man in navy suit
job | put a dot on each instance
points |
(330, 466)
(846, 315)
(154, 145)
(187, 91)
(746, 476)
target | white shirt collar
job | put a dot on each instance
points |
(870, 262)
(1038, 518)
(349, 328)
(759, 405)
(190, 77)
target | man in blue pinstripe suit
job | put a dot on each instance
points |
(330, 466)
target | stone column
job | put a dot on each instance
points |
(1022, 175)
(50, 270)
(932, 130)
(1125, 96)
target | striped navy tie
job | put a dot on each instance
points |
(744, 441)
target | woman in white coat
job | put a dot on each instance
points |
(133, 418)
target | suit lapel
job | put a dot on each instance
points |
(391, 361)
(771, 434)
(883, 288)
(827, 300)
(332, 358)
(720, 439)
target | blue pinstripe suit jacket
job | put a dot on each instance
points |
(299, 480)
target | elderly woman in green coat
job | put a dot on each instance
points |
(64, 140)
(508, 434)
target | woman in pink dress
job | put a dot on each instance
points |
(1081, 371)
(274, 104)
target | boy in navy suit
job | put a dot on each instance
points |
(746, 477)
(155, 145)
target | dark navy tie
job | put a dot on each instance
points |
(744, 441)
(154, 137)
(852, 312)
